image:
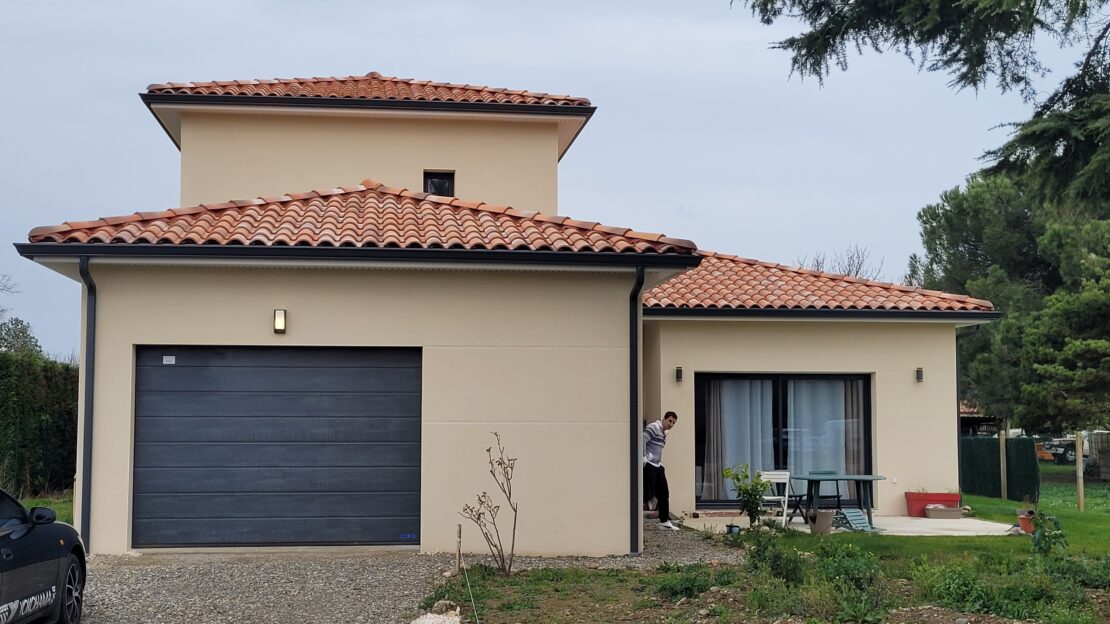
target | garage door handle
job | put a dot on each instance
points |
(6, 553)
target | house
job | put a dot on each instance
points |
(253, 366)
(973, 422)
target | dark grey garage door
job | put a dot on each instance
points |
(263, 445)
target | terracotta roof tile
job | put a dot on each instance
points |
(367, 215)
(372, 86)
(730, 282)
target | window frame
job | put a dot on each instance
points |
(779, 383)
(440, 173)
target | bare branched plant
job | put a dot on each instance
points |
(854, 261)
(483, 513)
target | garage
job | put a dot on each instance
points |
(276, 446)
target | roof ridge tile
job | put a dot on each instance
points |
(527, 227)
(332, 87)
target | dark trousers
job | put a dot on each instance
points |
(655, 484)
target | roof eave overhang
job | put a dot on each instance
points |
(156, 101)
(960, 317)
(46, 251)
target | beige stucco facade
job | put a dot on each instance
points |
(539, 356)
(236, 155)
(914, 434)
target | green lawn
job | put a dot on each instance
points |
(1087, 531)
(61, 503)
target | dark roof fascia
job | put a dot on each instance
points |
(304, 101)
(693, 313)
(260, 252)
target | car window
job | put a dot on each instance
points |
(10, 512)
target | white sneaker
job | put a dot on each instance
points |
(668, 525)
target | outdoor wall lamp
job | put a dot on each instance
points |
(279, 321)
(678, 373)
(919, 375)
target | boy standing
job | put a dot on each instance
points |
(655, 479)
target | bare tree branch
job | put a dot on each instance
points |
(484, 512)
(854, 261)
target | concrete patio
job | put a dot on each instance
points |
(892, 525)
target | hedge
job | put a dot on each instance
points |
(38, 424)
(980, 470)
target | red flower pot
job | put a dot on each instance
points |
(917, 501)
(1026, 524)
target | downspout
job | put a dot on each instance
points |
(635, 513)
(90, 366)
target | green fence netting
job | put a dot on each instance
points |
(38, 424)
(979, 468)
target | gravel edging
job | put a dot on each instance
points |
(660, 546)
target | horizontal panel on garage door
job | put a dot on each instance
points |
(269, 445)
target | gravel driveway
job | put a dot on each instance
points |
(364, 587)
(371, 587)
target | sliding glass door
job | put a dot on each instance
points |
(783, 422)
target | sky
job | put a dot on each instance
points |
(700, 131)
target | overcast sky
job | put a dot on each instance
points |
(700, 131)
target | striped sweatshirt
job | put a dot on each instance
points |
(655, 438)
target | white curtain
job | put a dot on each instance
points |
(739, 428)
(815, 427)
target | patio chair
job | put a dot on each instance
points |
(854, 520)
(780, 496)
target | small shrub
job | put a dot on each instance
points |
(455, 590)
(860, 607)
(688, 582)
(954, 585)
(1033, 593)
(848, 564)
(1048, 537)
(768, 596)
(768, 554)
(749, 487)
(818, 600)
(726, 576)
(720, 612)
(1000, 563)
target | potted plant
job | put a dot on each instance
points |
(1025, 515)
(916, 502)
(748, 487)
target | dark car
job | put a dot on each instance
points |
(42, 566)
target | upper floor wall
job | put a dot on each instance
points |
(498, 159)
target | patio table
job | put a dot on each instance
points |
(863, 483)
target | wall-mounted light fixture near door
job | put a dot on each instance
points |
(919, 375)
(678, 373)
(279, 321)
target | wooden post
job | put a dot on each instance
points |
(1079, 493)
(458, 550)
(1003, 431)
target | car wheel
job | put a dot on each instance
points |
(1070, 455)
(73, 592)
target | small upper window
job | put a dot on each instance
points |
(440, 183)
